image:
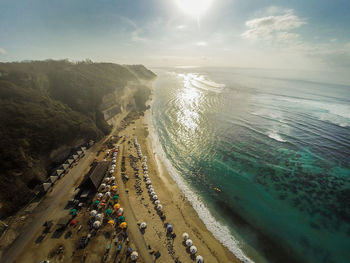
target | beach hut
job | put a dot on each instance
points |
(53, 179)
(199, 259)
(75, 156)
(169, 228)
(134, 255)
(93, 213)
(65, 166)
(59, 172)
(79, 153)
(123, 225)
(185, 236)
(143, 225)
(189, 242)
(70, 161)
(155, 197)
(96, 224)
(193, 250)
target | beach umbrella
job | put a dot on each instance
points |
(169, 228)
(134, 255)
(189, 242)
(155, 197)
(103, 185)
(111, 222)
(111, 171)
(149, 186)
(99, 195)
(106, 179)
(120, 210)
(96, 224)
(185, 236)
(121, 219)
(117, 206)
(96, 203)
(152, 193)
(150, 189)
(143, 225)
(112, 178)
(73, 211)
(159, 207)
(199, 259)
(108, 187)
(98, 217)
(148, 182)
(108, 194)
(114, 187)
(93, 213)
(108, 211)
(193, 250)
(123, 225)
(115, 197)
(157, 202)
(73, 222)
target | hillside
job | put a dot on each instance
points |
(49, 105)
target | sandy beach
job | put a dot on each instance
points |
(138, 207)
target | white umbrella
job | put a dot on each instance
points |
(148, 182)
(149, 186)
(103, 185)
(108, 187)
(93, 213)
(150, 189)
(157, 202)
(96, 224)
(193, 250)
(120, 210)
(159, 207)
(112, 178)
(108, 194)
(189, 242)
(99, 195)
(134, 255)
(143, 225)
(98, 217)
(185, 236)
(199, 259)
(169, 228)
(155, 197)
(152, 193)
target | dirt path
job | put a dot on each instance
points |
(133, 229)
(60, 191)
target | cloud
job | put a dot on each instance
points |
(274, 28)
(201, 44)
(2, 51)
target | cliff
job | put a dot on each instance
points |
(48, 107)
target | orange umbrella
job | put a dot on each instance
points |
(111, 222)
(117, 206)
(123, 225)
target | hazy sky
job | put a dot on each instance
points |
(242, 33)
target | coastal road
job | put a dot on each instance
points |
(61, 190)
(133, 229)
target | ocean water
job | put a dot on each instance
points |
(277, 145)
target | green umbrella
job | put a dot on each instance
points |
(73, 211)
(96, 203)
(115, 197)
(108, 211)
(121, 219)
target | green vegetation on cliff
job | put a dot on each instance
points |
(47, 104)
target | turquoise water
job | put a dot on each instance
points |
(277, 146)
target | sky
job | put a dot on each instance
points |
(294, 34)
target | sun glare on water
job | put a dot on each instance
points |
(194, 8)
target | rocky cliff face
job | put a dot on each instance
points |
(48, 107)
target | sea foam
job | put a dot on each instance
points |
(220, 231)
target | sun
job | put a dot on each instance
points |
(194, 8)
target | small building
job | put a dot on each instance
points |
(94, 177)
